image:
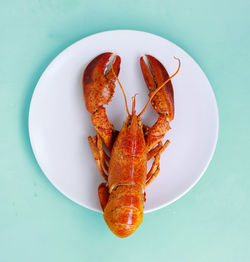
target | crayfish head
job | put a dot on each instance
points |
(124, 211)
(133, 124)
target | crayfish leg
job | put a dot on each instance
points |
(155, 169)
(163, 101)
(156, 133)
(100, 162)
(103, 194)
(98, 88)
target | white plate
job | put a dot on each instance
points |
(59, 124)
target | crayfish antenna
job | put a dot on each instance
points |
(133, 104)
(159, 88)
(125, 99)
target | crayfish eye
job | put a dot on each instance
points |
(129, 124)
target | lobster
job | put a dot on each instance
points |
(124, 169)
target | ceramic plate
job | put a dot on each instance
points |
(59, 124)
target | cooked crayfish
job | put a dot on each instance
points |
(122, 197)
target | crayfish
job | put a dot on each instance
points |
(124, 166)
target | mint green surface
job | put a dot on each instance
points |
(212, 221)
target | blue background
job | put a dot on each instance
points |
(211, 222)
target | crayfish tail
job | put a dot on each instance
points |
(124, 210)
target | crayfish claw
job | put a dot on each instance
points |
(98, 87)
(116, 69)
(154, 76)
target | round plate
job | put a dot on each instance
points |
(59, 123)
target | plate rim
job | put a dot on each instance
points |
(63, 52)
